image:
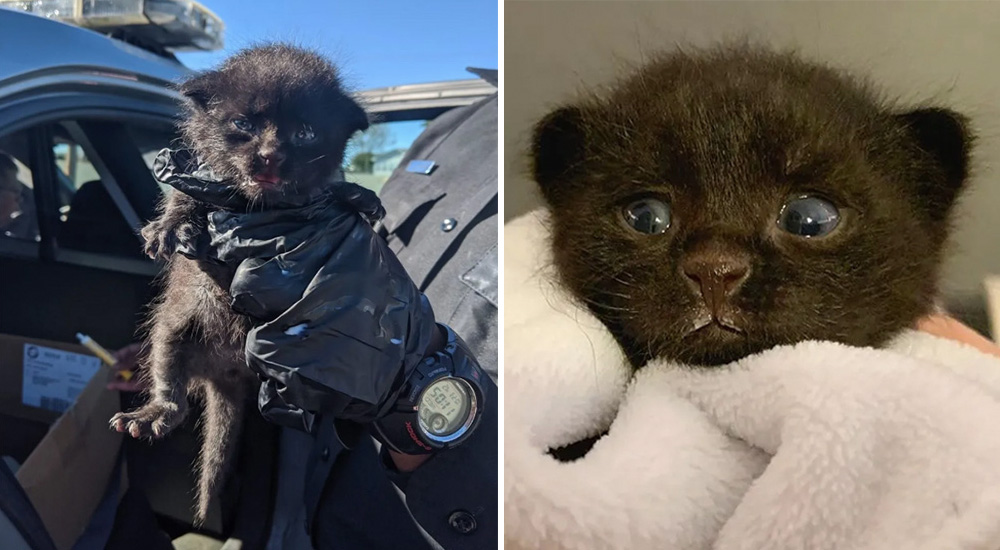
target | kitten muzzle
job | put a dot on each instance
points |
(266, 171)
(717, 274)
(267, 180)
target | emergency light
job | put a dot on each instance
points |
(178, 25)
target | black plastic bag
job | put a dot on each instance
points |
(338, 323)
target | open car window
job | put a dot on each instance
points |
(105, 185)
(89, 218)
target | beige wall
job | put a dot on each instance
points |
(946, 51)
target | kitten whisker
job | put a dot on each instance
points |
(610, 308)
(620, 281)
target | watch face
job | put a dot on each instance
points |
(445, 408)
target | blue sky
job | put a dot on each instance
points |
(377, 43)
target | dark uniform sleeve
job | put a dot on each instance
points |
(443, 227)
(453, 496)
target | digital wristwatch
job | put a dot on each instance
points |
(440, 405)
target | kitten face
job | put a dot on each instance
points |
(272, 119)
(720, 204)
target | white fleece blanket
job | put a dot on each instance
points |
(813, 446)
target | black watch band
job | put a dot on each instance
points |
(440, 405)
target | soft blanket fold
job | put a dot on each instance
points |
(811, 446)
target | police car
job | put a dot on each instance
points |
(83, 111)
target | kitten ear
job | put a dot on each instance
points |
(943, 135)
(198, 90)
(557, 148)
(356, 117)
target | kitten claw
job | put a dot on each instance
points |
(117, 424)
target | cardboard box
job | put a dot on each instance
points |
(66, 474)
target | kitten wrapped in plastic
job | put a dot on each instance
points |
(257, 236)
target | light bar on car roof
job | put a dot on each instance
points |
(171, 24)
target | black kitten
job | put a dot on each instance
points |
(722, 202)
(272, 120)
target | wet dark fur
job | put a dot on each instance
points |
(725, 137)
(196, 340)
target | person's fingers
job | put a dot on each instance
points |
(951, 328)
(128, 357)
(124, 363)
(131, 350)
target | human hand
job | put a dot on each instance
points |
(946, 326)
(127, 360)
(407, 463)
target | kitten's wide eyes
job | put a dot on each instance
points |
(650, 216)
(243, 124)
(809, 217)
(305, 135)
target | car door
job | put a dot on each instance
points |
(62, 272)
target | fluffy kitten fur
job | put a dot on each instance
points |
(726, 137)
(270, 119)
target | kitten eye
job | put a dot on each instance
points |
(809, 217)
(649, 216)
(305, 135)
(243, 124)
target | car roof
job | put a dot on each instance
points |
(47, 48)
(46, 45)
(452, 93)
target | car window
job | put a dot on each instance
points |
(90, 220)
(151, 140)
(373, 154)
(18, 217)
(75, 170)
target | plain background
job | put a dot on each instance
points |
(945, 52)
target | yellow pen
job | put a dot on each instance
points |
(102, 354)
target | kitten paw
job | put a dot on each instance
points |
(162, 239)
(160, 242)
(153, 420)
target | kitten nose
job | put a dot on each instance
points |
(271, 159)
(717, 275)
